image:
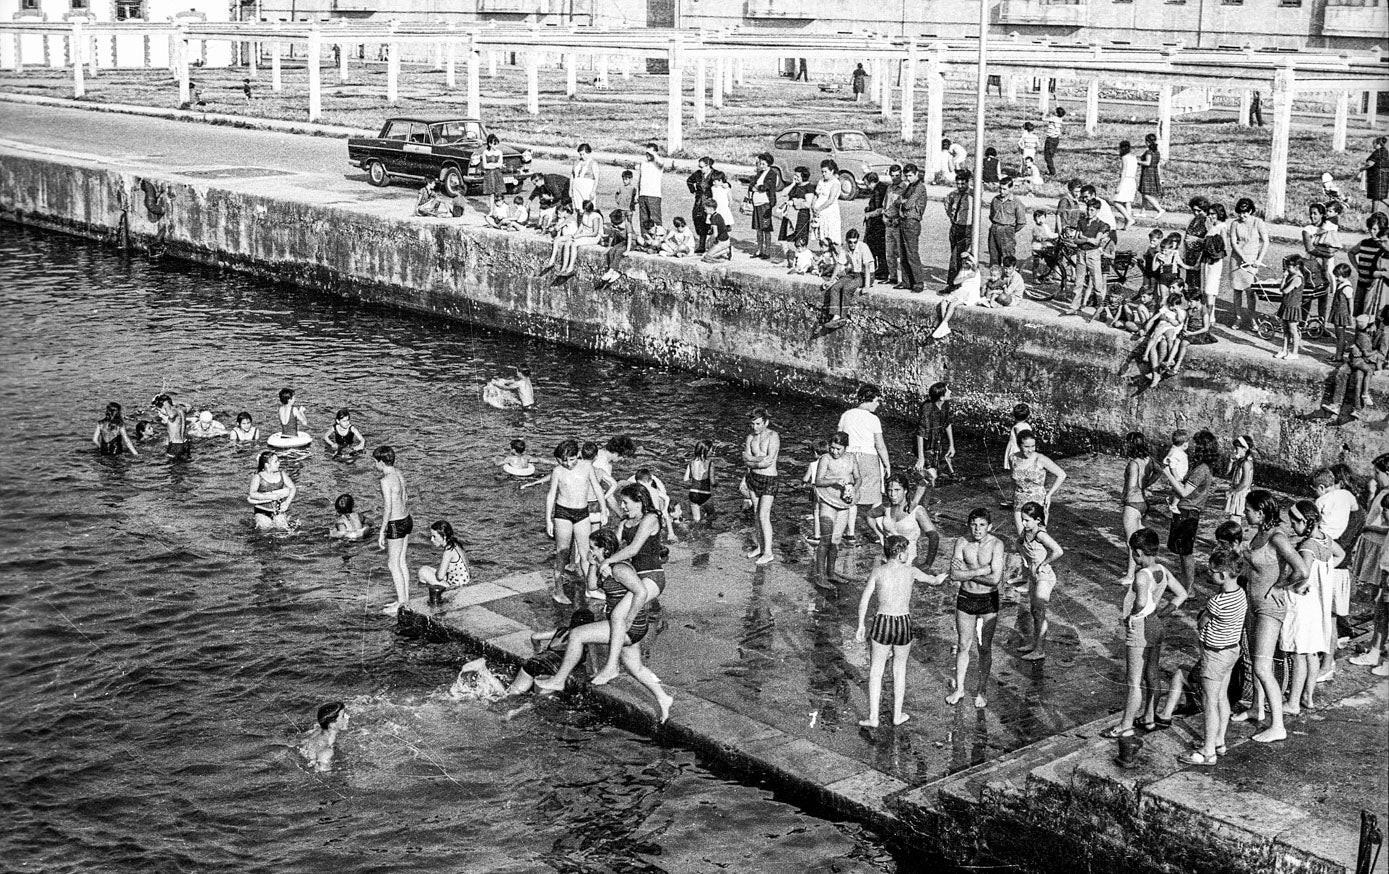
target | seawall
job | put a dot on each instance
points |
(749, 325)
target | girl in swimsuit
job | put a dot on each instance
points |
(291, 414)
(270, 494)
(453, 571)
(1138, 475)
(244, 431)
(639, 540)
(626, 595)
(904, 520)
(344, 436)
(1273, 565)
(1039, 552)
(699, 473)
(836, 477)
(1030, 469)
(110, 435)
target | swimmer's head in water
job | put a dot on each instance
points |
(518, 446)
(604, 542)
(385, 455)
(343, 415)
(286, 395)
(622, 445)
(263, 460)
(895, 545)
(636, 498)
(702, 449)
(143, 429)
(205, 417)
(567, 450)
(588, 451)
(344, 504)
(643, 475)
(445, 532)
(243, 418)
(330, 713)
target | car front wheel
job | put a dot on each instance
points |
(377, 175)
(451, 181)
(848, 186)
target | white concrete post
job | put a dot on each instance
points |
(1092, 108)
(908, 87)
(603, 71)
(1044, 95)
(93, 55)
(935, 114)
(311, 60)
(738, 77)
(1245, 101)
(1371, 107)
(885, 88)
(1164, 130)
(474, 79)
(17, 60)
(252, 58)
(728, 75)
(1338, 127)
(1010, 89)
(571, 75)
(492, 64)
(1278, 157)
(79, 85)
(439, 55)
(392, 72)
(700, 82)
(675, 138)
(719, 64)
(451, 60)
(342, 62)
(533, 82)
(179, 39)
(276, 84)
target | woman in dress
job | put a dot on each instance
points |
(722, 191)
(1213, 252)
(1273, 566)
(1030, 469)
(1371, 265)
(1376, 170)
(762, 192)
(1138, 475)
(583, 176)
(825, 220)
(1039, 552)
(110, 435)
(1308, 628)
(492, 162)
(1127, 189)
(1321, 240)
(1149, 180)
(795, 225)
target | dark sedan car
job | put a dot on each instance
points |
(445, 148)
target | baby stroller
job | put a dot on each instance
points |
(1267, 325)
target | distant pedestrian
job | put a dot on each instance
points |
(246, 89)
(802, 74)
(860, 82)
(1376, 170)
(1256, 110)
(1149, 179)
(1053, 141)
(1127, 189)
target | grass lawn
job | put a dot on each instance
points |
(1211, 156)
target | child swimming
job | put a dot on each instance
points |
(349, 524)
(699, 473)
(318, 745)
(517, 463)
(453, 571)
(244, 431)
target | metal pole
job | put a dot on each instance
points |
(981, 88)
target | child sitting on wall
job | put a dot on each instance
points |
(680, 241)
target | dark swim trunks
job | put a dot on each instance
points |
(571, 514)
(891, 630)
(977, 604)
(180, 451)
(399, 529)
(546, 664)
(761, 485)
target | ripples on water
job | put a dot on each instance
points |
(158, 659)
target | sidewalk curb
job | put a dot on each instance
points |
(1279, 233)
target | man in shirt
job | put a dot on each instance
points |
(851, 276)
(1092, 235)
(553, 184)
(869, 454)
(910, 209)
(1248, 244)
(892, 219)
(935, 437)
(700, 183)
(953, 158)
(1053, 140)
(959, 209)
(649, 186)
(1007, 216)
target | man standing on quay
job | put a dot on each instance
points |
(959, 208)
(1007, 216)
(911, 208)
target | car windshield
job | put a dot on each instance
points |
(853, 141)
(457, 131)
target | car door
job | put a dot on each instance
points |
(418, 152)
(786, 152)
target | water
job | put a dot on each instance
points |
(158, 658)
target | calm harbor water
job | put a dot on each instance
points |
(158, 659)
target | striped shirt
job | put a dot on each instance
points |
(1224, 619)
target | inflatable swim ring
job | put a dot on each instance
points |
(280, 441)
(528, 470)
(496, 396)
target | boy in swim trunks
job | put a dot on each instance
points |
(174, 418)
(892, 627)
(396, 527)
(760, 451)
(291, 414)
(978, 567)
(572, 486)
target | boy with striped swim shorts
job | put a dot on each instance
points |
(892, 627)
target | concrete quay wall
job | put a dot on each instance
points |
(709, 319)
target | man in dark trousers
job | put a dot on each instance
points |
(700, 183)
(892, 216)
(1007, 216)
(911, 208)
(1256, 111)
(959, 209)
(553, 184)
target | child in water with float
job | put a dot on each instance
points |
(292, 420)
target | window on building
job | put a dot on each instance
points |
(31, 4)
(1123, 1)
(1231, 2)
(126, 9)
(79, 4)
(1289, 3)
